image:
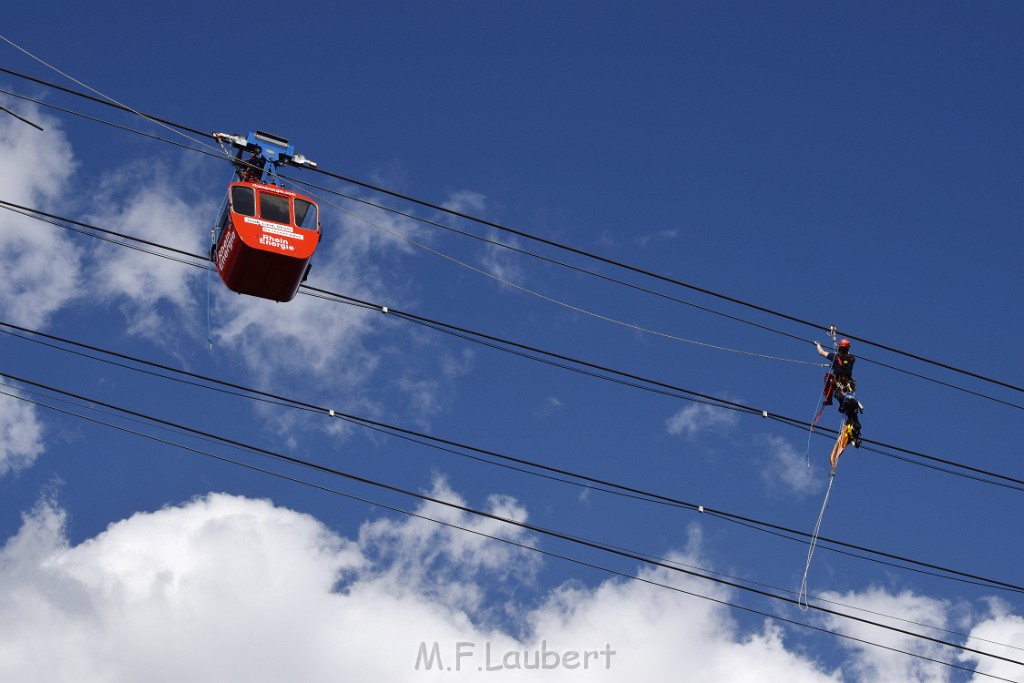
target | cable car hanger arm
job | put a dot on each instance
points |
(266, 153)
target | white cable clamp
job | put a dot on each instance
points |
(764, 413)
(236, 140)
(331, 412)
(700, 508)
(300, 160)
(384, 310)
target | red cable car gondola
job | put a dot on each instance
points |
(266, 235)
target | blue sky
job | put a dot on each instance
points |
(849, 165)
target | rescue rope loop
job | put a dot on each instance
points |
(802, 598)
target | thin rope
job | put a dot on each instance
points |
(802, 598)
(558, 302)
(102, 95)
(810, 432)
(818, 407)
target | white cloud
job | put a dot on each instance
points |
(457, 365)
(304, 335)
(36, 165)
(226, 588)
(181, 594)
(548, 407)
(21, 435)
(788, 468)
(1001, 627)
(467, 202)
(870, 664)
(40, 263)
(362, 230)
(231, 589)
(494, 260)
(308, 347)
(658, 634)
(422, 396)
(698, 417)
(606, 239)
(644, 241)
(445, 562)
(502, 263)
(158, 296)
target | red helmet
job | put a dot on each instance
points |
(844, 344)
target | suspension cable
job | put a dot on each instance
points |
(564, 247)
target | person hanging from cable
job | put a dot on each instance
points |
(839, 379)
(839, 382)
